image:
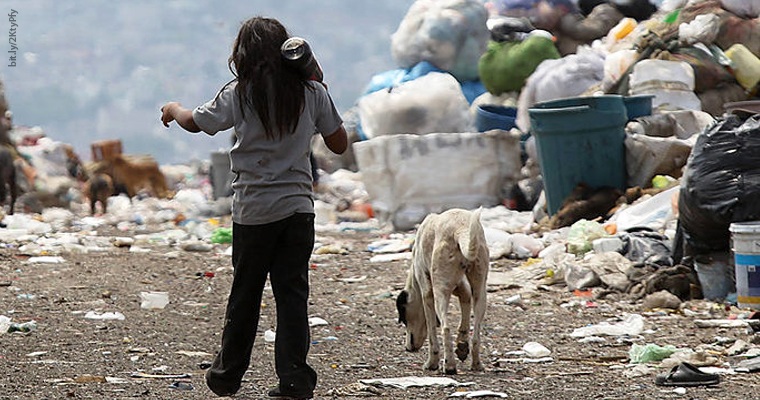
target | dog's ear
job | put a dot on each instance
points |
(401, 301)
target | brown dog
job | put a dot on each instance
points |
(585, 202)
(136, 175)
(99, 188)
(450, 256)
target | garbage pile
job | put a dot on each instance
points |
(593, 133)
(590, 133)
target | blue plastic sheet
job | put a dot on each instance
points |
(395, 77)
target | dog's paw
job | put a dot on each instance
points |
(463, 349)
(478, 367)
(451, 371)
(431, 366)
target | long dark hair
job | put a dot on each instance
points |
(262, 78)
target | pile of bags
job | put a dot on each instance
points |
(460, 59)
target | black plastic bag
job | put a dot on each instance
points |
(647, 248)
(509, 29)
(721, 184)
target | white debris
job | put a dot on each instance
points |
(316, 321)
(536, 350)
(46, 260)
(154, 300)
(391, 257)
(632, 325)
(414, 381)
(104, 316)
(479, 393)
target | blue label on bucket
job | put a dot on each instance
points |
(753, 276)
(748, 278)
(747, 259)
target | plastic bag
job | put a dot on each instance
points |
(508, 29)
(222, 235)
(615, 65)
(410, 176)
(650, 248)
(650, 353)
(506, 66)
(653, 213)
(632, 325)
(582, 234)
(395, 77)
(672, 83)
(451, 34)
(704, 28)
(553, 79)
(721, 184)
(431, 103)
(647, 156)
(499, 243)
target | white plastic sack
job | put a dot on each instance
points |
(431, 103)
(499, 243)
(703, 28)
(671, 82)
(742, 8)
(569, 76)
(410, 176)
(615, 66)
(653, 213)
(647, 156)
(658, 73)
(450, 34)
(632, 325)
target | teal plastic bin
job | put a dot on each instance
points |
(578, 140)
(638, 106)
(490, 116)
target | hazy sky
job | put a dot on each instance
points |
(97, 69)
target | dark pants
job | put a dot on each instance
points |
(281, 250)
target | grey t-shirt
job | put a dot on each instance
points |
(272, 177)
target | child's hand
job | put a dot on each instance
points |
(167, 112)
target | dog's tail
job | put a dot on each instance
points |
(468, 239)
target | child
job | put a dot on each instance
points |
(274, 111)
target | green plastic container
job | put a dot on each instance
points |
(579, 139)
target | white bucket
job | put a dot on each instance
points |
(745, 238)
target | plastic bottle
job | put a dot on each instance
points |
(622, 29)
(298, 55)
(746, 65)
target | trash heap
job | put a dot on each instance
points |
(593, 134)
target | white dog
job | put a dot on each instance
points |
(450, 256)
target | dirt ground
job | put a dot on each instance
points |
(362, 340)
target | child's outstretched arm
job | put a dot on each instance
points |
(337, 142)
(174, 111)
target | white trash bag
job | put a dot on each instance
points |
(450, 34)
